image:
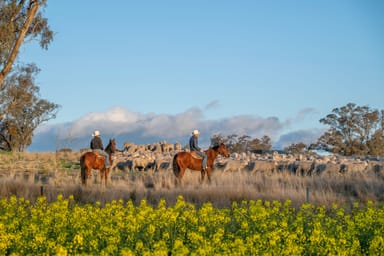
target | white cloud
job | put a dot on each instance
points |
(305, 136)
(125, 125)
(306, 113)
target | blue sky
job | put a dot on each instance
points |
(224, 66)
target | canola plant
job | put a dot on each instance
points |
(247, 228)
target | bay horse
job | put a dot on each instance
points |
(184, 160)
(95, 161)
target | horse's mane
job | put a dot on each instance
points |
(216, 147)
(108, 147)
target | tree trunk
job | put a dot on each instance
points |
(32, 10)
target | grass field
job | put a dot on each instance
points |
(30, 175)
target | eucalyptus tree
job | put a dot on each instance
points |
(260, 145)
(354, 130)
(243, 143)
(21, 21)
(22, 109)
(296, 148)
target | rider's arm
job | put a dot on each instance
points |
(194, 145)
(101, 144)
(93, 146)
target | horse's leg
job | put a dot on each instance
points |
(85, 169)
(102, 173)
(180, 175)
(180, 168)
(106, 174)
(86, 175)
(82, 174)
(202, 175)
(89, 171)
(209, 174)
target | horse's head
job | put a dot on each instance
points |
(223, 150)
(112, 145)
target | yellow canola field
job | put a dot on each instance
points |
(65, 227)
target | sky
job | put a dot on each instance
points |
(143, 71)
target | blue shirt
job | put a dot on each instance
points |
(193, 144)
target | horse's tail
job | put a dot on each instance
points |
(176, 169)
(83, 169)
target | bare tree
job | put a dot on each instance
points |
(22, 108)
(20, 22)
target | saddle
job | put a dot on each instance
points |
(98, 154)
(195, 155)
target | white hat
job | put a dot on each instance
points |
(195, 132)
(96, 133)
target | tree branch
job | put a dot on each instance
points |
(32, 10)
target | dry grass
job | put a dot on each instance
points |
(29, 175)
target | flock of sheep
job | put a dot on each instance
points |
(158, 156)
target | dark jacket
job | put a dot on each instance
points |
(96, 143)
(193, 144)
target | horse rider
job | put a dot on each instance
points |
(194, 147)
(97, 145)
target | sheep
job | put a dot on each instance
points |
(353, 166)
(234, 165)
(129, 147)
(142, 163)
(162, 162)
(178, 146)
(304, 167)
(267, 166)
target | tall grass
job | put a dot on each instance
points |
(30, 175)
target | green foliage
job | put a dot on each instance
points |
(247, 228)
(354, 130)
(22, 109)
(263, 144)
(20, 22)
(242, 143)
(296, 148)
(68, 165)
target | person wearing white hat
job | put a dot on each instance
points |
(97, 145)
(193, 146)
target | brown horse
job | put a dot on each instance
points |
(95, 161)
(184, 160)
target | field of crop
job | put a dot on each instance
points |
(44, 210)
(64, 227)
